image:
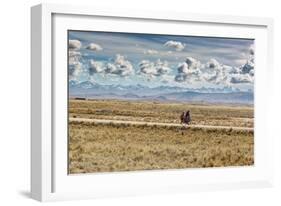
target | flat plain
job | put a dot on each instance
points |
(164, 112)
(107, 147)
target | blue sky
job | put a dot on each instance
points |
(155, 60)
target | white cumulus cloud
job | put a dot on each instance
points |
(74, 64)
(217, 73)
(74, 44)
(178, 46)
(189, 71)
(153, 69)
(213, 65)
(192, 63)
(95, 67)
(74, 56)
(183, 68)
(121, 67)
(74, 70)
(249, 66)
(147, 67)
(246, 71)
(94, 47)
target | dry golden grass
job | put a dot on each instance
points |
(108, 147)
(218, 115)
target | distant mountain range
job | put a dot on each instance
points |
(231, 95)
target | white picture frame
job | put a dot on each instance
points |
(49, 178)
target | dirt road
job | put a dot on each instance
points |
(105, 121)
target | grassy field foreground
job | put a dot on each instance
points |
(109, 147)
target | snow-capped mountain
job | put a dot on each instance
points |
(162, 93)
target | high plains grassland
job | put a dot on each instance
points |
(201, 114)
(107, 147)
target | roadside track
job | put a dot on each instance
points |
(106, 121)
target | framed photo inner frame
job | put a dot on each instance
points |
(50, 177)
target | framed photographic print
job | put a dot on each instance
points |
(136, 102)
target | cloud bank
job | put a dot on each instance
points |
(214, 72)
(119, 67)
(74, 57)
(206, 62)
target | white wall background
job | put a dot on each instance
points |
(15, 95)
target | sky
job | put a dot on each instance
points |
(156, 60)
